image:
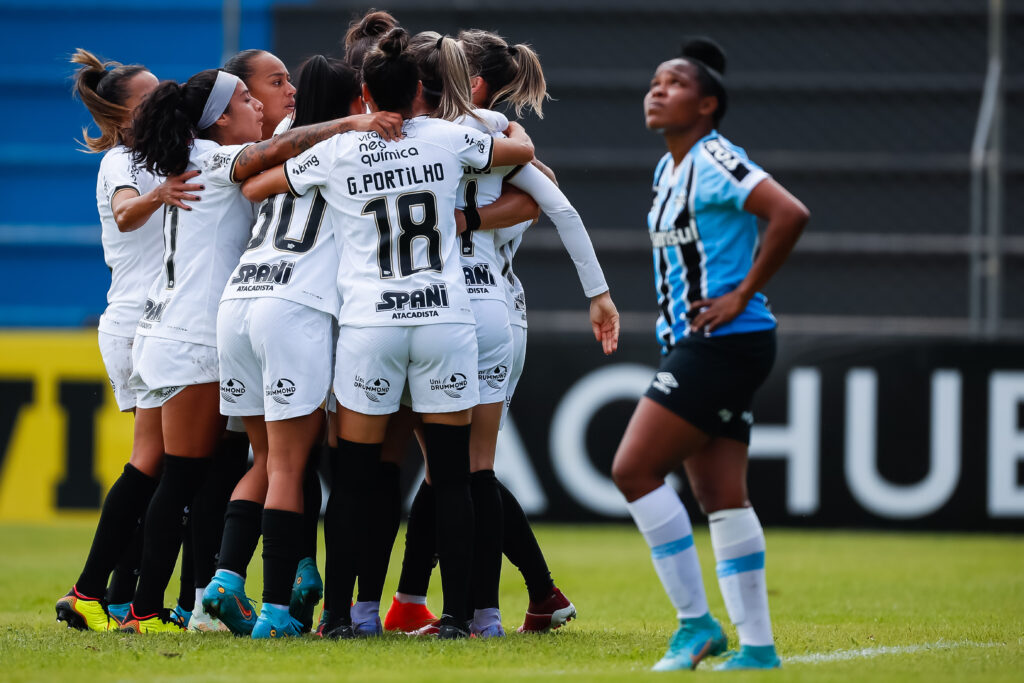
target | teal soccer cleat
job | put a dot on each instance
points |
(306, 593)
(225, 599)
(752, 657)
(694, 640)
(276, 622)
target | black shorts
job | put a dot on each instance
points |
(710, 381)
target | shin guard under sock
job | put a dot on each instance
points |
(312, 500)
(186, 582)
(339, 540)
(181, 478)
(228, 465)
(488, 538)
(242, 523)
(521, 548)
(448, 459)
(420, 554)
(362, 464)
(282, 541)
(123, 507)
(383, 529)
(126, 574)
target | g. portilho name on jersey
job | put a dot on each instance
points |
(418, 303)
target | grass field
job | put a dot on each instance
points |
(846, 606)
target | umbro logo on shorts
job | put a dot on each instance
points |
(453, 385)
(373, 388)
(281, 390)
(665, 382)
(231, 389)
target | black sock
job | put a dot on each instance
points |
(242, 524)
(488, 538)
(448, 459)
(282, 542)
(229, 463)
(126, 574)
(182, 477)
(186, 582)
(312, 499)
(361, 462)
(123, 507)
(339, 539)
(420, 555)
(383, 528)
(521, 548)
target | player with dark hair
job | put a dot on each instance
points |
(128, 199)
(406, 313)
(363, 33)
(208, 123)
(718, 346)
(268, 80)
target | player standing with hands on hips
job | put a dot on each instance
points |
(718, 346)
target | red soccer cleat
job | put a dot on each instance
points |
(553, 612)
(408, 616)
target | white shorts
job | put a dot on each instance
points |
(163, 367)
(518, 363)
(374, 363)
(494, 343)
(117, 359)
(275, 358)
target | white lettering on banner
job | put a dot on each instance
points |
(797, 443)
(881, 497)
(1005, 444)
(512, 466)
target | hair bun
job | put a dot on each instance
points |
(375, 24)
(394, 43)
(707, 51)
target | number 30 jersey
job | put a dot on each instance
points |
(393, 210)
(201, 248)
(291, 254)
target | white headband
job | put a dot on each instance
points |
(217, 102)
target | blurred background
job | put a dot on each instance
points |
(898, 397)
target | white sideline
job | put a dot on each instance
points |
(869, 652)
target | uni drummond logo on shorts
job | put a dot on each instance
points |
(494, 377)
(231, 389)
(453, 385)
(281, 390)
(373, 388)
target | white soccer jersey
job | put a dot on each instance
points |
(393, 207)
(132, 257)
(201, 248)
(481, 264)
(291, 254)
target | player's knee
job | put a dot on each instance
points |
(630, 479)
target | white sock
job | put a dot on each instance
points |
(199, 600)
(738, 541)
(482, 618)
(417, 599)
(663, 521)
(364, 611)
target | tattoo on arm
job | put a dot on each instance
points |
(263, 155)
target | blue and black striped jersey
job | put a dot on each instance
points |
(703, 240)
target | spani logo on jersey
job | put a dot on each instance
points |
(252, 276)
(231, 389)
(420, 302)
(494, 377)
(453, 385)
(373, 388)
(153, 311)
(478, 278)
(281, 390)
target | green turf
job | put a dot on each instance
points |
(961, 597)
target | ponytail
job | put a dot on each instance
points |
(444, 72)
(512, 72)
(167, 122)
(390, 72)
(102, 88)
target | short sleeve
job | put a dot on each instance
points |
(726, 175)
(473, 148)
(119, 173)
(219, 165)
(311, 168)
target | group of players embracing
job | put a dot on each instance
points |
(327, 263)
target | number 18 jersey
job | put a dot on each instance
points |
(393, 209)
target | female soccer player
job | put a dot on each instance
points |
(268, 80)
(208, 124)
(513, 74)
(275, 341)
(718, 340)
(406, 313)
(128, 198)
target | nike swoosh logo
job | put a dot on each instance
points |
(247, 613)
